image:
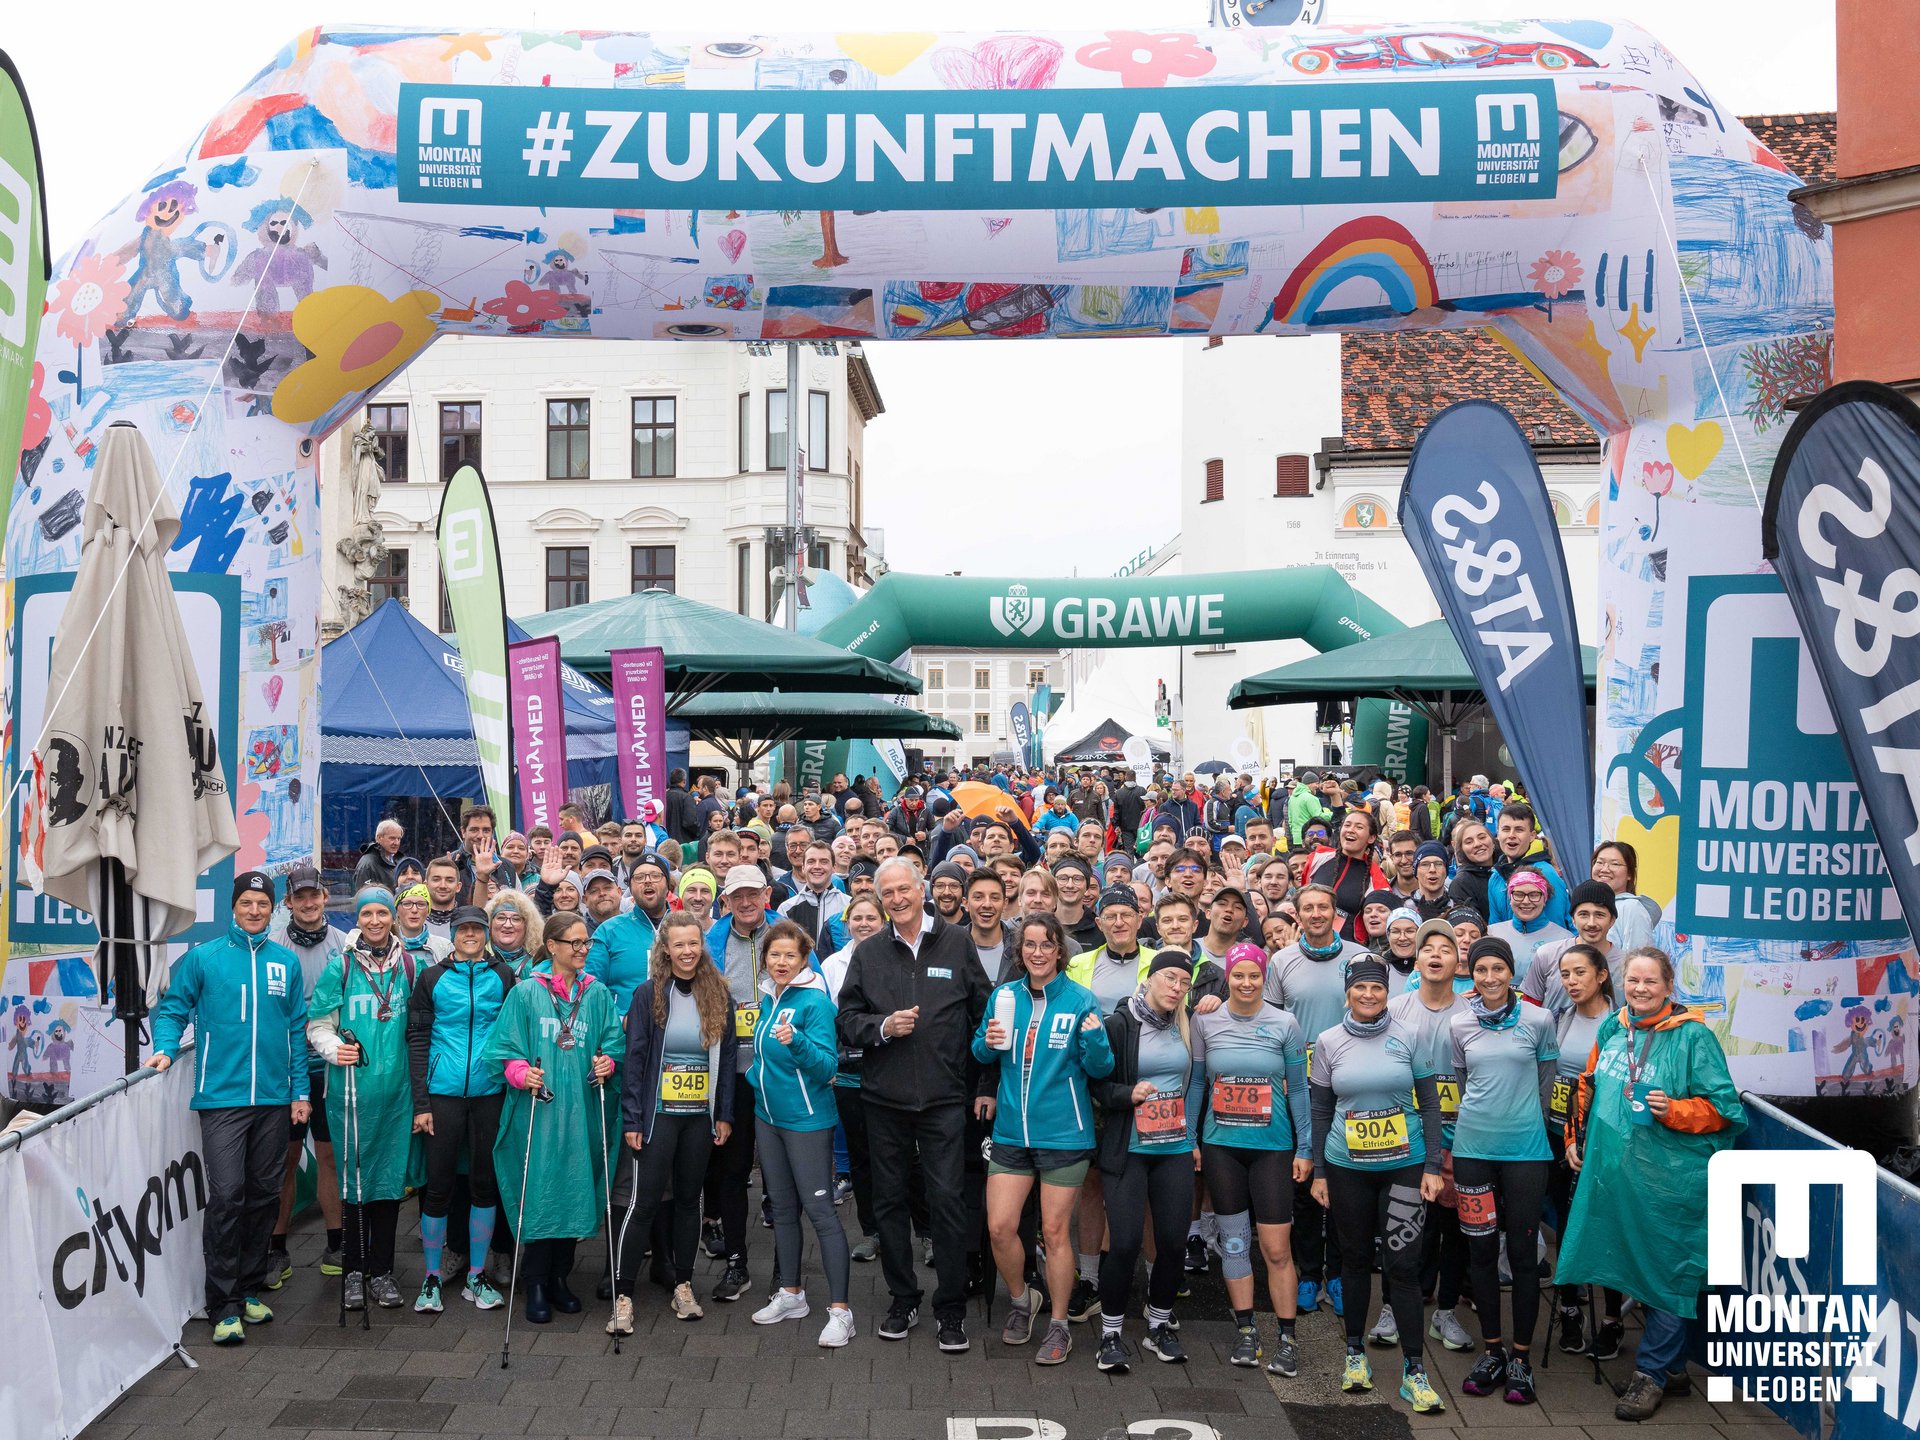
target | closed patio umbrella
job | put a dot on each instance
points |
(127, 785)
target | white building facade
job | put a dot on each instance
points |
(976, 690)
(613, 466)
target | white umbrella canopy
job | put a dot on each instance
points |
(127, 768)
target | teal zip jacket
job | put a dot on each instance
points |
(1043, 1102)
(244, 997)
(621, 956)
(793, 1084)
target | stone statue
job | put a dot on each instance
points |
(363, 547)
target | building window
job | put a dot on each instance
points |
(1036, 676)
(776, 429)
(446, 610)
(982, 677)
(566, 576)
(653, 437)
(817, 447)
(936, 677)
(743, 575)
(1216, 481)
(1292, 477)
(746, 429)
(982, 723)
(459, 437)
(652, 567)
(389, 424)
(569, 440)
(390, 580)
(819, 556)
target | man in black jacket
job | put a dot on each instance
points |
(912, 999)
(679, 820)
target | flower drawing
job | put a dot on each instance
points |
(89, 298)
(1555, 273)
(1145, 61)
(524, 308)
(358, 338)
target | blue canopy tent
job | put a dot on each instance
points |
(394, 723)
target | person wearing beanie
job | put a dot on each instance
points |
(456, 1100)
(358, 1019)
(947, 891)
(250, 1089)
(1251, 1059)
(1374, 910)
(699, 887)
(1376, 1153)
(1307, 979)
(1468, 925)
(1152, 1100)
(1118, 967)
(1430, 874)
(1425, 1014)
(1594, 913)
(1528, 894)
(1401, 941)
(1505, 1051)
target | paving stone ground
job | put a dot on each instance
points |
(305, 1378)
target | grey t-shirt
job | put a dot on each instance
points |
(1114, 979)
(991, 957)
(1503, 1100)
(1372, 1079)
(1429, 1033)
(1314, 991)
(313, 960)
(1540, 981)
(743, 980)
(1526, 943)
(1165, 1062)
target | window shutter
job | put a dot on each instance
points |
(1216, 480)
(1292, 479)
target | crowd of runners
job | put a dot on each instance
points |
(1302, 1033)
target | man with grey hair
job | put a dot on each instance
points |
(913, 997)
(381, 857)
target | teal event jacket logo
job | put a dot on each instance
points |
(1326, 143)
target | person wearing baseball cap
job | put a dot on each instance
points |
(599, 894)
(304, 930)
(737, 943)
(249, 1017)
(1376, 1152)
(457, 1100)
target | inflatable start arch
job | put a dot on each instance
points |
(1568, 184)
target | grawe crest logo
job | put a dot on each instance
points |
(1016, 612)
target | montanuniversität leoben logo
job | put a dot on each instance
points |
(1016, 612)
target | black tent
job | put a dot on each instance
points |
(1103, 747)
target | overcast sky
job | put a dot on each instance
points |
(992, 456)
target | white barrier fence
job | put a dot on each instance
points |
(101, 1207)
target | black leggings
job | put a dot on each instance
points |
(1496, 1197)
(461, 1123)
(673, 1162)
(1364, 1205)
(1560, 1187)
(544, 1261)
(1164, 1182)
(377, 1220)
(1443, 1256)
(1259, 1180)
(730, 1168)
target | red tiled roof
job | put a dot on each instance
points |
(1393, 382)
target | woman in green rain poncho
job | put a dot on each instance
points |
(363, 993)
(556, 1036)
(1655, 1104)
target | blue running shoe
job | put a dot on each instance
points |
(1334, 1297)
(1309, 1295)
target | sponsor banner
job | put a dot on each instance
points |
(1042, 713)
(210, 612)
(109, 1267)
(1476, 512)
(476, 598)
(539, 730)
(1841, 530)
(640, 721)
(1773, 826)
(1330, 143)
(1020, 727)
(1819, 1314)
(25, 417)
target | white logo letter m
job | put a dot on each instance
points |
(1793, 1174)
(448, 113)
(1513, 108)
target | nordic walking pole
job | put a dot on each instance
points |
(606, 1178)
(347, 1037)
(346, 1138)
(535, 1097)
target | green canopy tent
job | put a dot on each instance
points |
(745, 727)
(1423, 668)
(707, 648)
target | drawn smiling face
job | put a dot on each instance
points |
(166, 214)
(277, 231)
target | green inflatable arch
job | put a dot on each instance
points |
(1313, 603)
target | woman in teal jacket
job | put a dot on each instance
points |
(1042, 1123)
(796, 1051)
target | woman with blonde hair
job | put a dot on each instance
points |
(678, 1082)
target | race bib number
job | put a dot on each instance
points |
(745, 1017)
(1479, 1213)
(683, 1089)
(1448, 1090)
(1161, 1119)
(1309, 1060)
(1242, 1100)
(1561, 1100)
(1378, 1137)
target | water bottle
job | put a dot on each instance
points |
(1003, 1002)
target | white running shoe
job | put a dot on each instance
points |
(839, 1328)
(782, 1306)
